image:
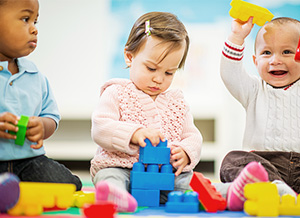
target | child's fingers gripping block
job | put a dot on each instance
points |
(244, 10)
(21, 134)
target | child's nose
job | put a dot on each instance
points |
(275, 59)
(33, 30)
(158, 78)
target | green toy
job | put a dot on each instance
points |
(22, 124)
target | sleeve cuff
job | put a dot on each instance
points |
(233, 51)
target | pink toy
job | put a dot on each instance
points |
(297, 55)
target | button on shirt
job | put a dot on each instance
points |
(25, 93)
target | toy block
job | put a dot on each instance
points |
(297, 55)
(152, 178)
(288, 206)
(209, 197)
(35, 196)
(262, 199)
(21, 134)
(9, 191)
(146, 197)
(179, 202)
(155, 155)
(244, 10)
(101, 209)
(80, 198)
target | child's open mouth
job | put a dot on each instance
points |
(279, 73)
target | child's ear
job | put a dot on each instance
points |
(128, 58)
(254, 59)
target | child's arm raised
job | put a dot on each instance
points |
(240, 30)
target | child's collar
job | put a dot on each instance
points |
(285, 87)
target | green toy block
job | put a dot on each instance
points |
(22, 124)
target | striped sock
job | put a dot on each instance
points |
(108, 192)
(253, 172)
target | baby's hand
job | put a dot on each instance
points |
(180, 159)
(153, 135)
(8, 122)
(240, 30)
(35, 132)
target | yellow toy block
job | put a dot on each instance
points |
(35, 196)
(288, 206)
(81, 198)
(262, 199)
(244, 10)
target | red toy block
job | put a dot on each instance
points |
(101, 209)
(297, 55)
(209, 197)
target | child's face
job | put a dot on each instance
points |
(275, 51)
(148, 71)
(18, 36)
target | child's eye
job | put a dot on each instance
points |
(25, 19)
(169, 74)
(287, 52)
(151, 69)
(266, 52)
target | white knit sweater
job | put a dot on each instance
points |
(272, 114)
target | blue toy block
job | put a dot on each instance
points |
(182, 203)
(152, 179)
(155, 155)
(149, 198)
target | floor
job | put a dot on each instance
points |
(84, 175)
(158, 212)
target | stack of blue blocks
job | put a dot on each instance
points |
(147, 178)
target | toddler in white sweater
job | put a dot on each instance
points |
(271, 101)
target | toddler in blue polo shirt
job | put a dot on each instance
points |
(25, 91)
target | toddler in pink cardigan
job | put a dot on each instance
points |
(131, 110)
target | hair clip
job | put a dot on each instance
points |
(147, 28)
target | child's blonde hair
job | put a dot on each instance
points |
(279, 21)
(163, 25)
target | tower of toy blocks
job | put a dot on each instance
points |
(146, 179)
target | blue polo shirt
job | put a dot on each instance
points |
(25, 93)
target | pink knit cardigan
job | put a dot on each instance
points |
(122, 109)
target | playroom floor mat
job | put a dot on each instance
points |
(147, 212)
(157, 212)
